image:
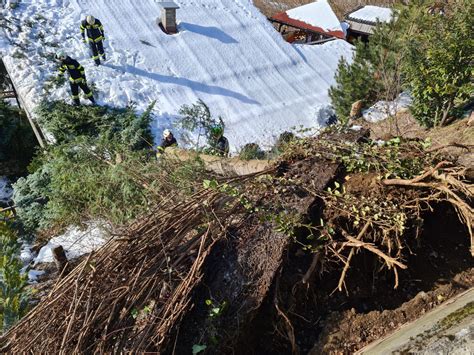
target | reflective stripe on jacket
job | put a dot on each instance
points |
(94, 32)
(75, 70)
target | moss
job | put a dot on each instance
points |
(458, 316)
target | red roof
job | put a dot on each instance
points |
(284, 18)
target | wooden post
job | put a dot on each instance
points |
(60, 259)
(36, 129)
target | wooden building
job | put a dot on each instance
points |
(313, 23)
(363, 20)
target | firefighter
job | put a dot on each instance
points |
(92, 31)
(219, 143)
(77, 77)
(168, 141)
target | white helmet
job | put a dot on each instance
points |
(90, 19)
(60, 55)
(167, 133)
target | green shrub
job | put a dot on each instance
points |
(86, 173)
(197, 117)
(438, 67)
(75, 182)
(354, 82)
(31, 195)
(66, 122)
(13, 294)
(17, 140)
(428, 55)
(251, 151)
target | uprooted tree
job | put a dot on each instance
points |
(135, 294)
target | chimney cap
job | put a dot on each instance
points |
(168, 5)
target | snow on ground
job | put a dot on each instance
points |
(34, 274)
(6, 191)
(75, 241)
(226, 53)
(384, 109)
(373, 14)
(318, 13)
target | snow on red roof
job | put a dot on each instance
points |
(317, 16)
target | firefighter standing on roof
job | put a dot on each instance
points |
(77, 77)
(92, 31)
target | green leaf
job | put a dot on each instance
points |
(197, 348)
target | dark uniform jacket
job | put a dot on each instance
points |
(75, 70)
(165, 143)
(222, 146)
(94, 32)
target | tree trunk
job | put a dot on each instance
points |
(220, 165)
(60, 259)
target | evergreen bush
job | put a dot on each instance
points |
(438, 68)
(84, 175)
(66, 122)
(251, 151)
(197, 117)
(13, 294)
(17, 140)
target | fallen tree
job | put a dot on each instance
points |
(220, 165)
(172, 278)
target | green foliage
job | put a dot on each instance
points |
(198, 348)
(17, 140)
(251, 151)
(429, 55)
(354, 82)
(197, 117)
(392, 159)
(66, 122)
(438, 68)
(13, 296)
(75, 182)
(31, 195)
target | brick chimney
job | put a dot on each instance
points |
(168, 16)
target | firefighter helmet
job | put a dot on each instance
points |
(90, 19)
(60, 55)
(167, 133)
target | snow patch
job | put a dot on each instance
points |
(385, 109)
(34, 274)
(372, 13)
(6, 191)
(75, 241)
(26, 255)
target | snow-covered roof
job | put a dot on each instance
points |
(225, 53)
(317, 16)
(372, 14)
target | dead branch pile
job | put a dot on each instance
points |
(128, 295)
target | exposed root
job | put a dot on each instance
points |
(449, 182)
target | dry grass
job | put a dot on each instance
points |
(270, 7)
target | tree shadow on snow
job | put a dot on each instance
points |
(194, 85)
(211, 32)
